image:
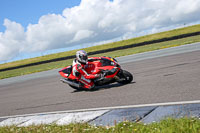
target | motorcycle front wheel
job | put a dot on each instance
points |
(125, 77)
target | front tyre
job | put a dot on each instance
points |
(125, 77)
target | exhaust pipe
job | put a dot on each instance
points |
(70, 83)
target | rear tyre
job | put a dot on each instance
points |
(76, 88)
(81, 88)
(126, 76)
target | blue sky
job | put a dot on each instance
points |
(30, 28)
(29, 11)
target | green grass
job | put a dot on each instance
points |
(59, 64)
(170, 125)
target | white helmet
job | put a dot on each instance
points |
(81, 56)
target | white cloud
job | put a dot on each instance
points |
(96, 21)
(81, 35)
(12, 40)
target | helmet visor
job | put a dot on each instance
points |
(84, 58)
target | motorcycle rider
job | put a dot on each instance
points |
(78, 70)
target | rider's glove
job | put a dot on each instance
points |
(100, 76)
(97, 75)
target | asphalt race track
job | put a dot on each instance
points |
(157, 80)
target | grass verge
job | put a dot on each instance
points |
(170, 125)
(59, 64)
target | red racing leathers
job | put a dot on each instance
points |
(79, 70)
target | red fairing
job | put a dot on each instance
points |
(84, 70)
(66, 73)
(91, 70)
(62, 72)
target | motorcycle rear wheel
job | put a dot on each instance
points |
(80, 88)
(76, 88)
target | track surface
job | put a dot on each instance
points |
(163, 79)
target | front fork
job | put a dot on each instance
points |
(120, 76)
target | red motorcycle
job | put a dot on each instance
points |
(108, 67)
